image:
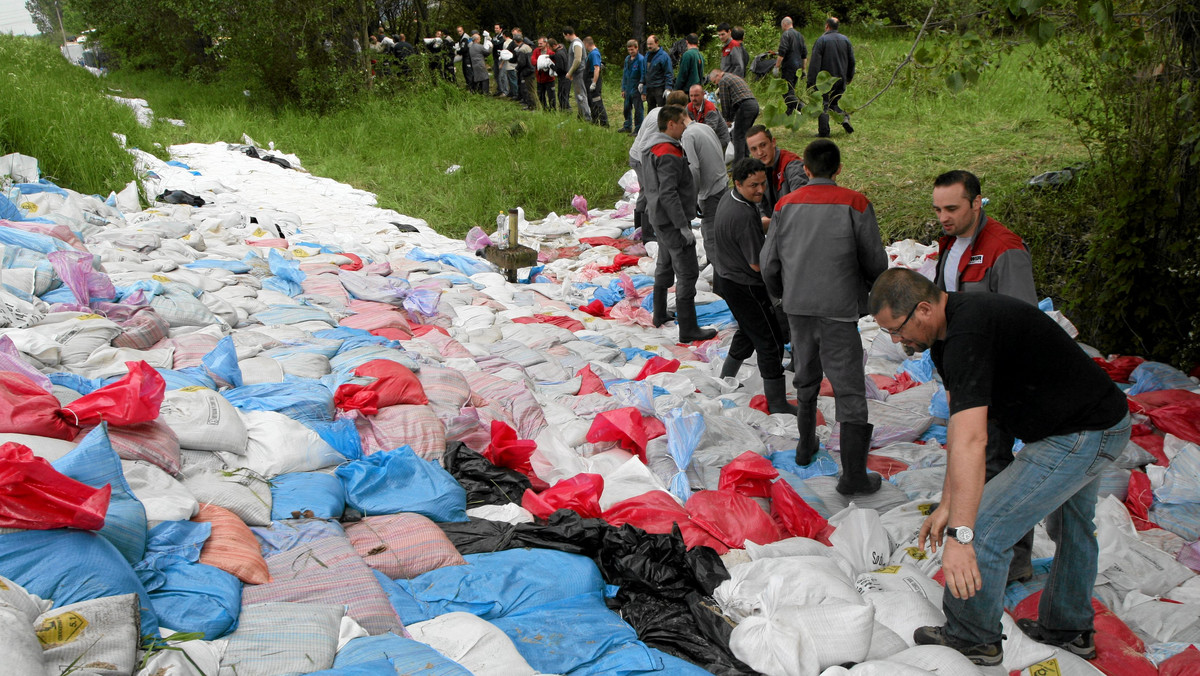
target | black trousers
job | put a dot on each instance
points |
(655, 98)
(596, 102)
(744, 116)
(546, 95)
(830, 100)
(564, 93)
(790, 99)
(758, 331)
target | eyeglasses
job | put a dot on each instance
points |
(896, 331)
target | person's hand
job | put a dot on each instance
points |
(643, 97)
(688, 236)
(961, 570)
(934, 528)
(766, 221)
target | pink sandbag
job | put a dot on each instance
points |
(749, 474)
(591, 383)
(732, 518)
(35, 496)
(628, 427)
(580, 494)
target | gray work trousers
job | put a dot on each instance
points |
(827, 347)
(580, 92)
(677, 263)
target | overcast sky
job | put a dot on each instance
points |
(14, 18)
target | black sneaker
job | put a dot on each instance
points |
(982, 654)
(1077, 643)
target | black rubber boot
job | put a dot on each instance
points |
(806, 425)
(776, 391)
(1021, 567)
(661, 316)
(856, 442)
(685, 314)
(730, 368)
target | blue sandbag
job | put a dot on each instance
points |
(236, 267)
(939, 405)
(95, 463)
(32, 240)
(68, 566)
(222, 362)
(578, 635)
(410, 609)
(405, 654)
(716, 314)
(497, 584)
(191, 376)
(390, 482)
(302, 399)
(920, 368)
(1152, 376)
(301, 491)
(287, 274)
(282, 536)
(76, 382)
(372, 668)
(187, 595)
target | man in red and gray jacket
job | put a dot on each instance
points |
(785, 169)
(977, 254)
(670, 207)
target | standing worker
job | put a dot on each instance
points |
(790, 59)
(738, 106)
(631, 88)
(658, 78)
(691, 65)
(733, 57)
(706, 160)
(832, 53)
(594, 84)
(576, 73)
(640, 143)
(1005, 359)
(821, 255)
(670, 208)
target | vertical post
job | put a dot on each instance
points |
(512, 228)
(58, 10)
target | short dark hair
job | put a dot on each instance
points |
(900, 290)
(567, 30)
(969, 182)
(670, 113)
(745, 167)
(737, 33)
(723, 26)
(588, 41)
(822, 157)
(831, 22)
(692, 39)
(759, 129)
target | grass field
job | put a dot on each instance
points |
(400, 147)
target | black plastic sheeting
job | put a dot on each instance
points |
(485, 483)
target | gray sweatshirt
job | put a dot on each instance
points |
(668, 186)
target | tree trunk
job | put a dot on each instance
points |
(639, 20)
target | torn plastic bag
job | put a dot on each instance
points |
(580, 493)
(75, 269)
(38, 497)
(394, 384)
(396, 481)
(692, 629)
(507, 451)
(287, 275)
(658, 564)
(135, 398)
(484, 482)
(628, 427)
(732, 518)
(26, 408)
(750, 475)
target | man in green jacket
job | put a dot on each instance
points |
(691, 66)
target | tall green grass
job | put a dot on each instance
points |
(58, 113)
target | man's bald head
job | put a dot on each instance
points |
(786, 23)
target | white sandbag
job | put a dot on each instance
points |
(43, 447)
(884, 642)
(478, 645)
(788, 639)
(258, 370)
(13, 596)
(164, 497)
(798, 546)
(1163, 621)
(875, 667)
(908, 552)
(304, 365)
(239, 490)
(22, 651)
(629, 480)
(900, 578)
(860, 539)
(902, 522)
(204, 420)
(276, 445)
(99, 636)
(1127, 563)
(508, 513)
(78, 333)
(936, 659)
(184, 658)
(109, 362)
(904, 612)
(1063, 663)
(811, 580)
(1020, 651)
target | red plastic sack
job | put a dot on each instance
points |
(1119, 652)
(355, 263)
(628, 427)
(1186, 663)
(394, 384)
(35, 496)
(26, 408)
(391, 334)
(749, 474)
(1119, 368)
(1148, 401)
(732, 518)
(620, 262)
(893, 385)
(657, 364)
(1145, 437)
(506, 450)
(657, 512)
(884, 465)
(560, 321)
(580, 494)
(1138, 502)
(591, 383)
(135, 398)
(595, 308)
(1182, 420)
(795, 516)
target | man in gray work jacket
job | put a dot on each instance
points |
(670, 208)
(821, 255)
(833, 54)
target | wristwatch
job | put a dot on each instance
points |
(963, 535)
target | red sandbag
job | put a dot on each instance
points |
(628, 427)
(595, 308)
(620, 262)
(391, 334)
(355, 264)
(35, 496)
(420, 330)
(560, 321)
(1119, 368)
(657, 512)
(1186, 663)
(135, 398)
(884, 465)
(732, 518)
(657, 364)
(25, 408)
(794, 515)
(759, 403)
(506, 450)
(900, 383)
(394, 384)
(591, 383)
(1148, 401)
(1182, 420)
(1138, 502)
(580, 494)
(1119, 652)
(749, 474)
(1145, 437)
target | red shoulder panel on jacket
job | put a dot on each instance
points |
(826, 194)
(665, 148)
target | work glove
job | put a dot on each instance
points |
(592, 88)
(775, 71)
(487, 35)
(641, 88)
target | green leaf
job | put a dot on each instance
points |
(956, 82)
(1032, 6)
(1041, 31)
(1102, 12)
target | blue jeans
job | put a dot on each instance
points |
(633, 104)
(513, 87)
(1056, 478)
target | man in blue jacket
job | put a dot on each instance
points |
(659, 77)
(631, 87)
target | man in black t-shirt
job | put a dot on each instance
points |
(1004, 358)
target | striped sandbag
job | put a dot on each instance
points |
(238, 490)
(515, 397)
(395, 426)
(327, 570)
(190, 348)
(327, 289)
(232, 546)
(446, 389)
(142, 330)
(449, 347)
(151, 441)
(369, 315)
(283, 639)
(402, 545)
